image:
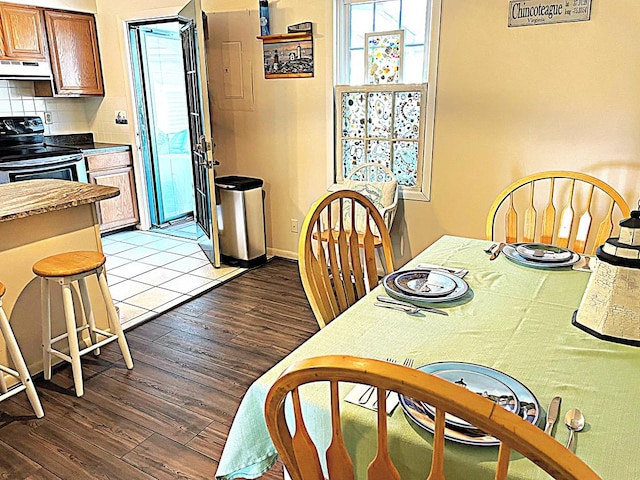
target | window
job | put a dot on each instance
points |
(388, 123)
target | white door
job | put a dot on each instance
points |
(192, 33)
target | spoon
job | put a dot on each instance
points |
(574, 420)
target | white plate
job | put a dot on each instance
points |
(425, 283)
(541, 252)
(529, 406)
(512, 254)
(389, 285)
(484, 385)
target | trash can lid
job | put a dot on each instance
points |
(236, 182)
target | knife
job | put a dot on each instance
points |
(497, 251)
(552, 414)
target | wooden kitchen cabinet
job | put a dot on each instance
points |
(75, 59)
(22, 35)
(114, 170)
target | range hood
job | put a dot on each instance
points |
(24, 70)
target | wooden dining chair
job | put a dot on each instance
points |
(337, 252)
(378, 183)
(530, 211)
(301, 458)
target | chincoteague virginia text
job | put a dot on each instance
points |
(540, 12)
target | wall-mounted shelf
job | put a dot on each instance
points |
(285, 37)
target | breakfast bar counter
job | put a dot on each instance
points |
(39, 218)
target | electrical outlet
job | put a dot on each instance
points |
(294, 225)
(48, 118)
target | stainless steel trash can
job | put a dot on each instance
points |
(241, 221)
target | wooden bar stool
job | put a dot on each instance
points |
(21, 372)
(66, 268)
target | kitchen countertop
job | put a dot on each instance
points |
(33, 197)
(84, 141)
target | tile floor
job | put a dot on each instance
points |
(149, 273)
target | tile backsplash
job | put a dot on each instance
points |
(69, 114)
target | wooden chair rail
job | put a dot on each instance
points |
(339, 269)
(540, 220)
(300, 455)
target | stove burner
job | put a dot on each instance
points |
(22, 138)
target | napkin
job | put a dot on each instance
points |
(357, 392)
(583, 265)
(458, 272)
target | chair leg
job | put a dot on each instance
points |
(74, 350)
(18, 361)
(113, 319)
(45, 296)
(88, 313)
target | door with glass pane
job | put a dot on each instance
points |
(192, 32)
(169, 166)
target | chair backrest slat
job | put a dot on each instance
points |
(549, 217)
(301, 458)
(566, 219)
(530, 217)
(337, 252)
(603, 205)
(584, 225)
(339, 464)
(511, 218)
(303, 446)
(437, 458)
(504, 456)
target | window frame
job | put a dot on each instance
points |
(342, 21)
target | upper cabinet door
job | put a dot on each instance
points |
(73, 47)
(22, 32)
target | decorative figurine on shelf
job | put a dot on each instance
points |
(610, 307)
(264, 18)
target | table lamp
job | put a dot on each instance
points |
(610, 306)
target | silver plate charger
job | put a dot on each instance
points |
(484, 385)
(511, 252)
(425, 283)
(541, 252)
(392, 289)
(529, 407)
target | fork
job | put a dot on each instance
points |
(408, 362)
(366, 396)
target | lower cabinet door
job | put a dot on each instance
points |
(119, 211)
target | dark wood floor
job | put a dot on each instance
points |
(168, 418)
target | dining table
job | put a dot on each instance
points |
(515, 319)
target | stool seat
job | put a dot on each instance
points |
(68, 264)
(67, 269)
(21, 372)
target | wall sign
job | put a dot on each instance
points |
(542, 12)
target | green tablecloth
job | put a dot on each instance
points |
(517, 320)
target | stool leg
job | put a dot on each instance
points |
(45, 295)
(18, 361)
(3, 383)
(74, 350)
(113, 318)
(88, 313)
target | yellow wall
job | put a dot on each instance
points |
(511, 101)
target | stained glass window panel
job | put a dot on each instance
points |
(379, 151)
(352, 154)
(379, 114)
(384, 57)
(405, 163)
(407, 115)
(353, 114)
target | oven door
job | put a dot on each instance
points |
(68, 167)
